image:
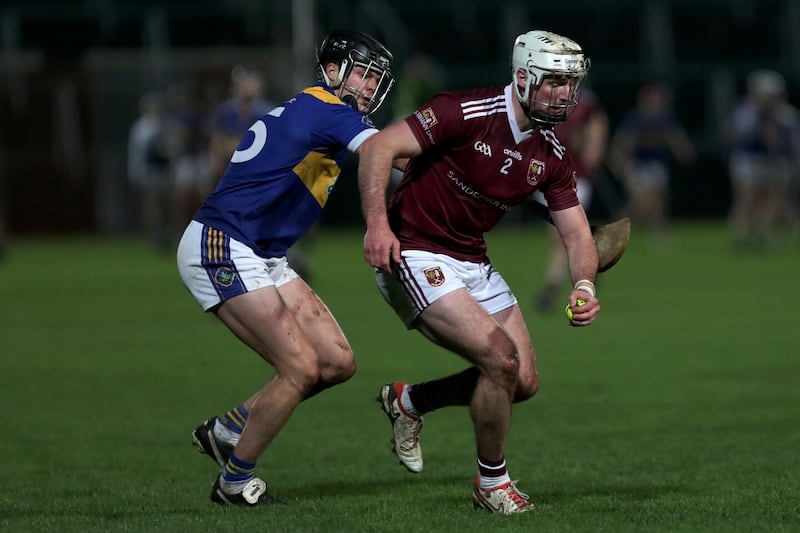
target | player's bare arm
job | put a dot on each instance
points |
(376, 158)
(582, 256)
(400, 163)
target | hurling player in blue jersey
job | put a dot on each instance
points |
(232, 256)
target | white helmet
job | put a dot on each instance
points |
(545, 54)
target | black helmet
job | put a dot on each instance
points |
(348, 49)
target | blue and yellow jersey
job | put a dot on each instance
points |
(284, 169)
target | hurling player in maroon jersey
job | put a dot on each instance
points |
(586, 135)
(474, 154)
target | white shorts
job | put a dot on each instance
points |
(215, 267)
(193, 171)
(649, 173)
(421, 278)
(746, 168)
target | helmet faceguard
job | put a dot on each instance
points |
(350, 50)
(546, 56)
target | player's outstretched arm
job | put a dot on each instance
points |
(376, 156)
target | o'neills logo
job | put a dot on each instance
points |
(434, 275)
(535, 171)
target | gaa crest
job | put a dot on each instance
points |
(434, 275)
(224, 277)
(535, 171)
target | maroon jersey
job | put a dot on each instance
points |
(475, 167)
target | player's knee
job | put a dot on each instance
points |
(340, 372)
(337, 363)
(510, 366)
(527, 387)
(504, 363)
(304, 375)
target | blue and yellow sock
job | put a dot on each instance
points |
(236, 473)
(235, 419)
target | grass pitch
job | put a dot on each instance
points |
(679, 410)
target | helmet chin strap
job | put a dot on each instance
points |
(522, 97)
(528, 112)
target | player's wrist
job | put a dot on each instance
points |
(585, 285)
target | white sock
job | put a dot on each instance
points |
(232, 487)
(405, 402)
(225, 435)
(488, 483)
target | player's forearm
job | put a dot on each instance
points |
(582, 257)
(374, 171)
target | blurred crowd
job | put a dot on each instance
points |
(179, 147)
(649, 146)
(763, 134)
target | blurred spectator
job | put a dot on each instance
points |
(644, 146)
(231, 120)
(585, 134)
(149, 167)
(764, 135)
(234, 116)
(191, 167)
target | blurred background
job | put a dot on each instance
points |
(76, 76)
(674, 413)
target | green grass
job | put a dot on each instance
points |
(679, 410)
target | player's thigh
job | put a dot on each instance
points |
(513, 323)
(451, 302)
(318, 323)
(262, 320)
(227, 277)
(460, 324)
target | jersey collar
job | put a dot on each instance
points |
(518, 134)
